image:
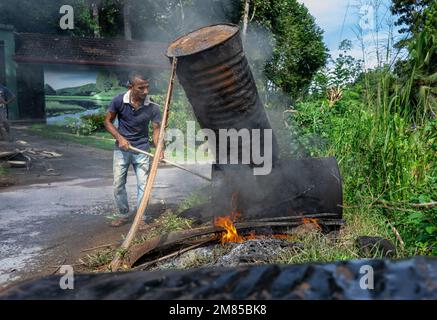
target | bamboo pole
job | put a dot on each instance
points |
(115, 264)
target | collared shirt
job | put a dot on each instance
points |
(133, 124)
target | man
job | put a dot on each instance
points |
(6, 97)
(134, 111)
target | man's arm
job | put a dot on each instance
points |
(109, 125)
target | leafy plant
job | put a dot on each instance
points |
(94, 120)
(79, 126)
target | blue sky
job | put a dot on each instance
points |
(68, 77)
(339, 19)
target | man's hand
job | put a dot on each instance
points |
(2, 101)
(161, 156)
(123, 144)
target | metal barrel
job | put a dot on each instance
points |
(215, 74)
(295, 187)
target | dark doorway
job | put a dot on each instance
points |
(2, 63)
(30, 89)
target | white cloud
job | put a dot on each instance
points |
(339, 18)
(329, 14)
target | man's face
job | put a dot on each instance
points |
(140, 88)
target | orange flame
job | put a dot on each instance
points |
(280, 236)
(230, 233)
(250, 236)
(311, 220)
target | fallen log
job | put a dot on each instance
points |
(174, 254)
(173, 238)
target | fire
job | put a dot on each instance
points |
(311, 220)
(280, 236)
(230, 233)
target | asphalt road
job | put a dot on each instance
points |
(48, 217)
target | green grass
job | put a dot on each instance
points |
(86, 98)
(3, 170)
(321, 248)
(101, 96)
(195, 198)
(99, 258)
(108, 95)
(384, 154)
(101, 139)
(164, 224)
(55, 108)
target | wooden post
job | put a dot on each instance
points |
(245, 18)
(115, 264)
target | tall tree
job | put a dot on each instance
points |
(245, 17)
(298, 50)
(413, 16)
(126, 20)
(95, 9)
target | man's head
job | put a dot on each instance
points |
(138, 84)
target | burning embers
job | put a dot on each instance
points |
(230, 232)
(313, 221)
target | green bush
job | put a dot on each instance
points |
(386, 160)
(80, 127)
(96, 121)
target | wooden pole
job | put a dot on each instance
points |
(170, 162)
(115, 264)
(245, 18)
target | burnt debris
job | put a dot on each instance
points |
(415, 278)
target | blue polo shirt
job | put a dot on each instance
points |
(133, 124)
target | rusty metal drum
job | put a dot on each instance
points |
(215, 74)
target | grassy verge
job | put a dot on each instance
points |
(5, 178)
(197, 197)
(101, 140)
(316, 247)
(3, 171)
(320, 248)
(166, 223)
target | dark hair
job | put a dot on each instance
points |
(136, 74)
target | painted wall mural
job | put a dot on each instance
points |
(72, 93)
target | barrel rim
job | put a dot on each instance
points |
(171, 55)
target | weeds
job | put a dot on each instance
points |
(195, 198)
(166, 223)
(100, 258)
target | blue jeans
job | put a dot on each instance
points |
(122, 161)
